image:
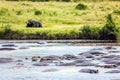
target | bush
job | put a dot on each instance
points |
(81, 6)
(116, 12)
(86, 32)
(89, 32)
(38, 12)
(109, 31)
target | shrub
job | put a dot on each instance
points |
(109, 31)
(38, 12)
(89, 32)
(116, 12)
(81, 6)
(86, 32)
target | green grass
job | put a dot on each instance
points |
(52, 14)
(57, 17)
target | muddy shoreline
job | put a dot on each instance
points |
(74, 42)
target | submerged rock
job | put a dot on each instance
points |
(89, 71)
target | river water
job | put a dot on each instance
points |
(30, 72)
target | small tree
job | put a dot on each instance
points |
(109, 31)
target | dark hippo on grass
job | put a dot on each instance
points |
(32, 23)
(91, 71)
(6, 60)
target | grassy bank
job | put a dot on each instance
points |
(60, 20)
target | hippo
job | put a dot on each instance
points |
(89, 71)
(6, 60)
(113, 71)
(49, 70)
(41, 64)
(32, 23)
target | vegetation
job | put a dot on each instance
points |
(109, 31)
(60, 20)
(81, 6)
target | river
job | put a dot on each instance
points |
(8, 71)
